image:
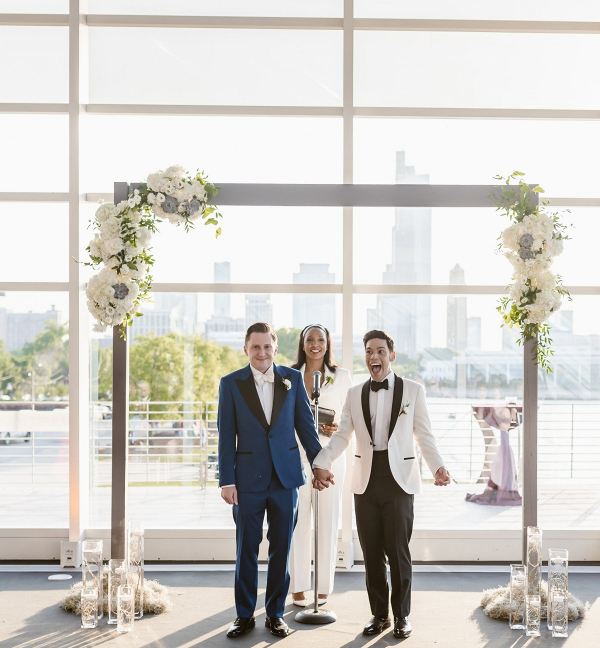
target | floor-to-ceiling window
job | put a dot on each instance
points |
(295, 93)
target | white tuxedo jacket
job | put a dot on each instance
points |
(405, 429)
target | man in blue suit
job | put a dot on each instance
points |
(260, 470)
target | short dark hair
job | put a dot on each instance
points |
(379, 335)
(260, 327)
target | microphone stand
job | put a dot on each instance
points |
(316, 616)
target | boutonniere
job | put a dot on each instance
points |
(404, 409)
(329, 380)
(286, 383)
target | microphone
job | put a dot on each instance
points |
(316, 390)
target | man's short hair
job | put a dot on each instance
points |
(379, 335)
(260, 327)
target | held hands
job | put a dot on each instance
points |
(322, 478)
(229, 494)
(442, 477)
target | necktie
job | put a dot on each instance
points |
(376, 386)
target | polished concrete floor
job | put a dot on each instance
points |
(445, 614)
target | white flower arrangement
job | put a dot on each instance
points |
(404, 409)
(286, 383)
(124, 233)
(530, 244)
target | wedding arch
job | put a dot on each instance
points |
(341, 196)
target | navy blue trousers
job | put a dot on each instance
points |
(281, 506)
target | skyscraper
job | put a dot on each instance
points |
(20, 328)
(407, 318)
(456, 314)
(314, 309)
(221, 327)
(258, 309)
(172, 312)
(222, 301)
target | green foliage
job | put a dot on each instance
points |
(512, 316)
(7, 368)
(43, 364)
(287, 342)
(158, 366)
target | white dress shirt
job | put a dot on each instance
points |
(265, 389)
(380, 405)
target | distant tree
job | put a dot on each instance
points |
(158, 368)
(102, 373)
(44, 363)
(7, 371)
(287, 341)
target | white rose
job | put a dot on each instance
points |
(143, 236)
(114, 245)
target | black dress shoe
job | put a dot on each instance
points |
(377, 625)
(277, 626)
(240, 626)
(402, 627)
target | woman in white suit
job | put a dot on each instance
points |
(315, 353)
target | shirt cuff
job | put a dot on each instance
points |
(228, 486)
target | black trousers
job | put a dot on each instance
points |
(384, 519)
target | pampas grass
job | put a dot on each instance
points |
(496, 603)
(156, 597)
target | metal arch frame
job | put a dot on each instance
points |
(78, 22)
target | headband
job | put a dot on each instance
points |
(312, 326)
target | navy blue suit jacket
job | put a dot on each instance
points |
(249, 447)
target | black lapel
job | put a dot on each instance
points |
(366, 390)
(279, 395)
(250, 395)
(396, 403)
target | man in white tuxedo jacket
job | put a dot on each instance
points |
(388, 415)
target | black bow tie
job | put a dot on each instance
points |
(376, 386)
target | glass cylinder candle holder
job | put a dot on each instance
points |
(89, 607)
(560, 613)
(91, 569)
(117, 576)
(125, 608)
(558, 576)
(532, 615)
(135, 554)
(534, 561)
(518, 580)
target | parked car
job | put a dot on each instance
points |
(7, 437)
